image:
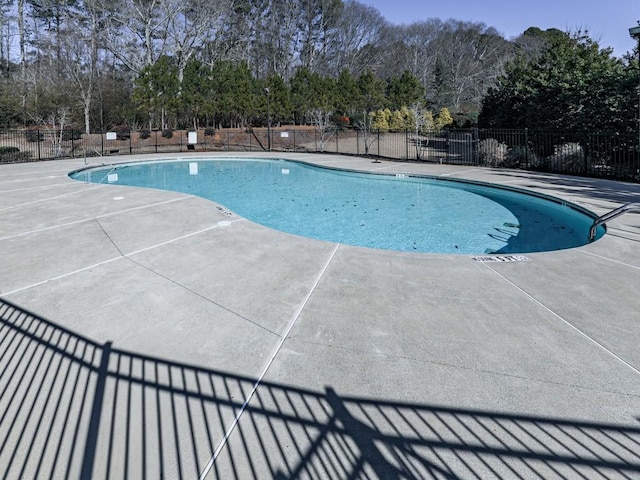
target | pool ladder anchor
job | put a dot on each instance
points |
(627, 208)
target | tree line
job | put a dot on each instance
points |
(93, 64)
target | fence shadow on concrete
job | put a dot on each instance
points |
(71, 407)
(596, 188)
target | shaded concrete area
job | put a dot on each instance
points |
(144, 334)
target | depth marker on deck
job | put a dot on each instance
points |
(500, 258)
(225, 212)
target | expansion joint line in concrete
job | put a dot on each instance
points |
(91, 219)
(51, 198)
(610, 259)
(109, 237)
(203, 297)
(268, 364)
(565, 321)
(119, 257)
(39, 187)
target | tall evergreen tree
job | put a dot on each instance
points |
(156, 91)
(404, 90)
(573, 84)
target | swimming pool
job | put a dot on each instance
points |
(392, 212)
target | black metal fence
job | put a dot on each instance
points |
(601, 154)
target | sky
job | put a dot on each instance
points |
(607, 21)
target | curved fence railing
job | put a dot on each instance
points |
(587, 153)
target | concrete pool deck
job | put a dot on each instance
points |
(145, 334)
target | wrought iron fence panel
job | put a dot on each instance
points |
(590, 153)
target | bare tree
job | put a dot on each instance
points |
(54, 122)
(6, 7)
(323, 121)
(365, 128)
(136, 31)
(470, 57)
(317, 20)
(189, 24)
(23, 55)
(79, 54)
(276, 38)
(58, 121)
(422, 124)
(411, 48)
(232, 33)
(50, 23)
(354, 42)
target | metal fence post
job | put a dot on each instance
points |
(406, 142)
(475, 142)
(526, 148)
(38, 137)
(130, 145)
(586, 153)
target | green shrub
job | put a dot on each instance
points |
(167, 133)
(5, 150)
(492, 153)
(519, 155)
(33, 135)
(568, 157)
(209, 132)
(71, 134)
(444, 119)
(15, 156)
(380, 119)
(144, 134)
(123, 132)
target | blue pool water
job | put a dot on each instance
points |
(400, 213)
